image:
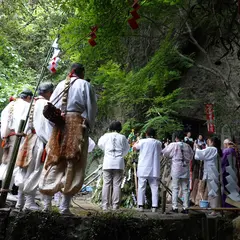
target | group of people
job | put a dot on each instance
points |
(220, 168)
(51, 158)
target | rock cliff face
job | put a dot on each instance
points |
(204, 84)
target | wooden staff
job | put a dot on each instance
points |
(135, 177)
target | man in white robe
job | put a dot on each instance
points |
(181, 154)
(115, 147)
(11, 116)
(64, 168)
(28, 175)
(148, 167)
(212, 170)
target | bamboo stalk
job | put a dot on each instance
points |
(135, 178)
(7, 181)
(22, 125)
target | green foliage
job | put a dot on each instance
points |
(143, 96)
(133, 83)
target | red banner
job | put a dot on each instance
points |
(210, 118)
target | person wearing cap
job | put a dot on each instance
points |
(64, 168)
(31, 153)
(230, 195)
(10, 118)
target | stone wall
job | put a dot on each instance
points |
(112, 226)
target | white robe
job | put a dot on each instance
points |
(11, 116)
(28, 178)
(10, 120)
(81, 98)
(209, 156)
(115, 147)
(174, 151)
(149, 157)
(211, 172)
(91, 145)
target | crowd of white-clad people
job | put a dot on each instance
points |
(53, 159)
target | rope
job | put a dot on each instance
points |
(5, 190)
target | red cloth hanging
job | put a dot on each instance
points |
(136, 6)
(133, 24)
(93, 35)
(135, 14)
(92, 42)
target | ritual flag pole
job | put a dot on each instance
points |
(7, 181)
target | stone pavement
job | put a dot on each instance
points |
(82, 206)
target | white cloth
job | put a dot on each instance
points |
(81, 98)
(149, 157)
(209, 156)
(91, 145)
(153, 183)
(40, 123)
(10, 119)
(115, 147)
(174, 151)
(183, 183)
(28, 178)
(11, 116)
(211, 173)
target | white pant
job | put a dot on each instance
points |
(142, 183)
(112, 178)
(183, 182)
(214, 197)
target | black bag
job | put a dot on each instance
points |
(54, 114)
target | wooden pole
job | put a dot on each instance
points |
(164, 196)
(170, 192)
(7, 180)
(135, 178)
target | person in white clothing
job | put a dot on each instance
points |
(212, 169)
(10, 118)
(148, 167)
(31, 153)
(67, 148)
(115, 147)
(181, 154)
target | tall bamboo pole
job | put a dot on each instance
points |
(6, 183)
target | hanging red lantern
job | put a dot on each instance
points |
(133, 24)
